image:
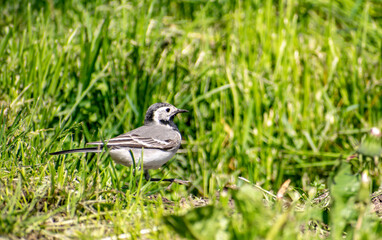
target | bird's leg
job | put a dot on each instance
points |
(171, 180)
(147, 175)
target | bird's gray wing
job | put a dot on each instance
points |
(145, 137)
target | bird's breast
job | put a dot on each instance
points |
(152, 158)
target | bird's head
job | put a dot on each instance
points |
(161, 113)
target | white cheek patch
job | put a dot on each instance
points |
(156, 117)
(161, 114)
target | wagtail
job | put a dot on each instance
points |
(158, 140)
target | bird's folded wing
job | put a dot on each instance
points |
(136, 141)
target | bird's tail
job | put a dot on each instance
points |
(79, 150)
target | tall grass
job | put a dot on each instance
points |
(276, 90)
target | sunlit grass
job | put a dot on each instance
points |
(276, 91)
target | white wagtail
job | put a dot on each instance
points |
(158, 139)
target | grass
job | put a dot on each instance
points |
(276, 90)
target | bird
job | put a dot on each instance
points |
(158, 139)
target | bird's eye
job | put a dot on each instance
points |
(167, 110)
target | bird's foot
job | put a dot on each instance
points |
(171, 180)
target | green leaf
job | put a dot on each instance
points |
(371, 146)
(207, 222)
(250, 204)
(344, 188)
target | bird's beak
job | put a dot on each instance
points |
(181, 111)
